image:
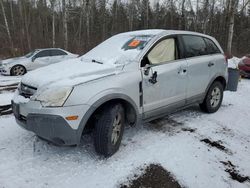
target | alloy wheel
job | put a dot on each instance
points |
(116, 129)
(18, 70)
(215, 97)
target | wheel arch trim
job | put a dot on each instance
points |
(100, 102)
(216, 77)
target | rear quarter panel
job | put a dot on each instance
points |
(219, 68)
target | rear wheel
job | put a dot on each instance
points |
(109, 129)
(213, 99)
(17, 70)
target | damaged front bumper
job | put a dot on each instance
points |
(50, 123)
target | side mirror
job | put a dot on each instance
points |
(33, 58)
(146, 69)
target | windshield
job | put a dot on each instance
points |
(31, 54)
(118, 48)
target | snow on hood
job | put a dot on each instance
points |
(12, 60)
(68, 73)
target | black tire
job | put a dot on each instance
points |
(104, 132)
(213, 99)
(18, 70)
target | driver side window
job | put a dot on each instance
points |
(164, 51)
(44, 53)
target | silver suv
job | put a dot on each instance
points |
(129, 78)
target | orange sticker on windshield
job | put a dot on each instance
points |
(134, 43)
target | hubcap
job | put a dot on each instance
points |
(116, 129)
(215, 97)
(18, 70)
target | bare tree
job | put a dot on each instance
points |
(206, 16)
(12, 14)
(88, 21)
(65, 24)
(232, 9)
(79, 25)
(52, 2)
(182, 23)
(6, 25)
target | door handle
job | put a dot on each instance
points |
(210, 64)
(153, 78)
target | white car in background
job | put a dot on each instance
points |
(38, 58)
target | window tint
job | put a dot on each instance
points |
(211, 47)
(43, 53)
(30, 54)
(195, 46)
(164, 51)
(57, 52)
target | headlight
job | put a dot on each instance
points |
(52, 97)
(4, 65)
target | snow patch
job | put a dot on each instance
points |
(234, 62)
(27, 161)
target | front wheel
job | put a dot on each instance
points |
(17, 70)
(213, 99)
(109, 129)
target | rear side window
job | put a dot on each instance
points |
(44, 53)
(211, 47)
(57, 52)
(195, 46)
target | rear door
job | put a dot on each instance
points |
(164, 78)
(218, 63)
(199, 63)
(58, 55)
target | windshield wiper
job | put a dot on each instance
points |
(94, 61)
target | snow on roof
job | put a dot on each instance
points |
(144, 32)
(39, 49)
(162, 32)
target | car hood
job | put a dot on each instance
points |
(12, 60)
(68, 73)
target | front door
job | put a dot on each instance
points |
(41, 59)
(164, 79)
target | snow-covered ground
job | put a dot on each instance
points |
(7, 86)
(9, 80)
(174, 142)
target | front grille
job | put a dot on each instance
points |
(26, 91)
